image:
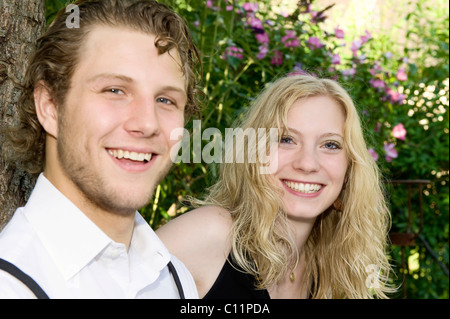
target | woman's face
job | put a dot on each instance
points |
(312, 159)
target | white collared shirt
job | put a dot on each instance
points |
(54, 243)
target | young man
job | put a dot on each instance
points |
(102, 99)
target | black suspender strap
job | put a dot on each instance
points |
(40, 294)
(174, 273)
(23, 277)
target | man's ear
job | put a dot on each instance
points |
(46, 109)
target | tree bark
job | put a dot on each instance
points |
(21, 23)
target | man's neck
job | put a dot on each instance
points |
(118, 226)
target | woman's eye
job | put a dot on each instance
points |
(286, 140)
(332, 145)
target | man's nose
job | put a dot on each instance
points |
(142, 119)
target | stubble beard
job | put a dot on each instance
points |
(95, 189)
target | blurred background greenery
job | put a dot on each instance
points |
(393, 59)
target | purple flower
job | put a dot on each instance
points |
(290, 39)
(277, 58)
(377, 83)
(262, 38)
(394, 96)
(339, 33)
(399, 132)
(263, 49)
(366, 37)
(373, 154)
(249, 6)
(349, 72)
(401, 75)
(336, 59)
(234, 52)
(255, 23)
(209, 4)
(356, 44)
(376, 68)
(314, 43)
(377, 127)
(298, 70)
(391, 152)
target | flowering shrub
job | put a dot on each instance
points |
(403, 105)
(246, 45)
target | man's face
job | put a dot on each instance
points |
(114, 130)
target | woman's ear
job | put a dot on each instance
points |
(46, 109)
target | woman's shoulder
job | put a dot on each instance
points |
(203, 226)
(212, 216)
(200, 239)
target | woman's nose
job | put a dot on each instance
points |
(306, 159)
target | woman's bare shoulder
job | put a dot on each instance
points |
(199, 228)
(200, 239)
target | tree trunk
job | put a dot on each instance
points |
(21, 23)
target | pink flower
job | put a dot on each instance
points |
(377, 127)
(336, 59)
(277, 58)
(377, 83)
(376, 68)
(262, 38)
(314, 42)
(394, 96)
(339, 33)
(401, 75)
(254, 22)
(399, 132)
(366, 37)
(234, 52)
(356, 44)
(249, 6)
(373, 154)
(209, 4)
(391, 152)
(263, 49)
(349, 72)
(290, 39)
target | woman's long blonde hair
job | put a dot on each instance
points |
(345, 254)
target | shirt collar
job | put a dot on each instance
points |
(73, 240)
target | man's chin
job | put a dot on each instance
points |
(125, 207)
(123, 201)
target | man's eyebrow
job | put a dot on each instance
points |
(110, 76)
(175, 89)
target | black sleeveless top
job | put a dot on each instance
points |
(233, 282)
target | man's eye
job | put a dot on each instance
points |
(164, 100)
(114, 91)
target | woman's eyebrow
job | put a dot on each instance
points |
(324, 135)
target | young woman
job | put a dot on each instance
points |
(315, 227)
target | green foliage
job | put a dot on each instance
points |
(245, 46)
